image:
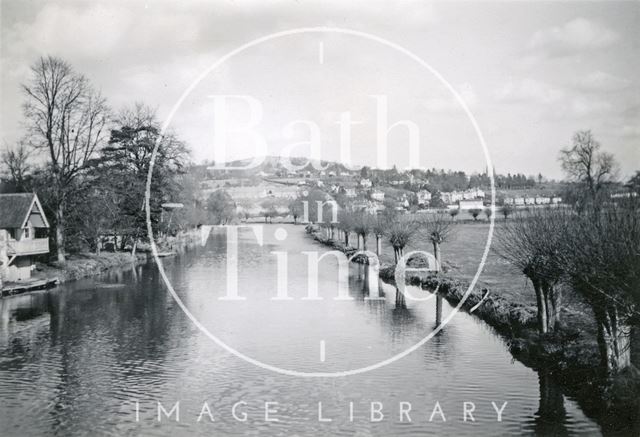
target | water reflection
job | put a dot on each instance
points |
(551, 415)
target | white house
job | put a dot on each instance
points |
(424, 197)
(365, 183)
(377, 195)
(350, 192)
(470, 204)
(452, 197)
(23, 234)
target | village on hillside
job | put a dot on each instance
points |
(270, 187)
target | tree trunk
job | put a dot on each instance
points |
(135, 245)
(614, 340)
(364, 242)
(436, 254)
(378, 245)
(634, 346)
(60, 233)
(542, 308)
(397, 253)
(346, 238)
(98, 246)
(553, 301)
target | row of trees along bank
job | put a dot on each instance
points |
(89, 164)
(591, 249)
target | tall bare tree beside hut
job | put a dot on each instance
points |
(67, 119)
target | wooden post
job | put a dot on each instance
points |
(438, 310)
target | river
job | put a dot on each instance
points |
(98, 356)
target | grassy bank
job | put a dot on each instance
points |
(83, 265)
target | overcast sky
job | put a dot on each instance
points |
(531, 73)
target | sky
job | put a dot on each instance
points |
(530, 73)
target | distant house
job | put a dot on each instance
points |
(350, 192)
(365, 183)
(24, 233)
(451, 198)
(424, 197)
(377, 195)
(542, 200)
(556, 200)
(529, 201)
(518, 201)
(470, 204)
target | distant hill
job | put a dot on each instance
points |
(275, 165)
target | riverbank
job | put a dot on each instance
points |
(84, 265)
(570, 354)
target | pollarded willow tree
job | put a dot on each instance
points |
(362, 223)
(531, 242)
(401, 233)
(439, 230)
(379, 226)
(345, 224)
(600, 252)
(67, 119)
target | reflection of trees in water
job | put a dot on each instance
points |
(98, 334)
(401, 315)
(550, 419)
(441, 347)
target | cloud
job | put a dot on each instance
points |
(553, 101)
(599, 81)
(529, 91)
(574, 36)
(95, 30)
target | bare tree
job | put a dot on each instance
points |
(601, 256)
(362, 222)
(531, 242)
(400, 233)
(379, 226)
(67, 118)
(438, 230)
(506, 210)
(586, 164)
(475, 212)
(16, 162)
(345, 224)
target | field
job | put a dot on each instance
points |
(462, 255)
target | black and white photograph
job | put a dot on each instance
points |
(319, 218)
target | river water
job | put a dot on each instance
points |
(99, 356)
